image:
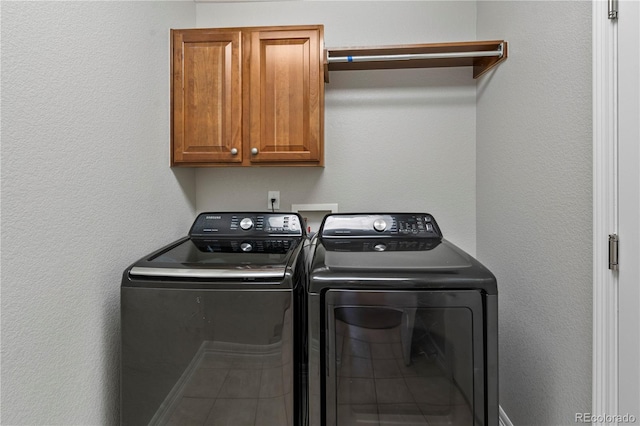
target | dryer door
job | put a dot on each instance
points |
(396, 357)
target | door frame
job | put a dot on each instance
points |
(605, 210)
(629, 212)
(607, 353)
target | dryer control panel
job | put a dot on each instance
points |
(248, 224)
(405, 225)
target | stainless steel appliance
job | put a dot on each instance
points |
(212, 325)
(402, 326)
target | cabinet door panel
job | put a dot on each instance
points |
(207, 112)
(286, 96)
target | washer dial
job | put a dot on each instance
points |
(246, 223)
(379, 225)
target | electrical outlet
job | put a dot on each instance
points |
(273, 195)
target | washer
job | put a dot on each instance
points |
(212, 325)
(402, 325)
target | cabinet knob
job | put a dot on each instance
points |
(234, 151)
(254, 151)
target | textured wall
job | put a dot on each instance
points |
(395, 140)
(86, 187)
(86, 190)
(534, 204)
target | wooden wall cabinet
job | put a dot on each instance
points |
(247, 96)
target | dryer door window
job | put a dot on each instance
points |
(400, 357)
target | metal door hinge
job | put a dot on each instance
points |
(613, 252)
(613, 9)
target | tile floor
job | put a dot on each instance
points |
(375, 387)
(251, 390)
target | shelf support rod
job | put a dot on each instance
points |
(414, 56)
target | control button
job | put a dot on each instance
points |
(380, 247)
(246, 247)
(379, 225)
(246, 223)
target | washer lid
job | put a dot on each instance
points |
(221, 259)
(217, 273)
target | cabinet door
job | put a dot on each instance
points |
(207, 99)
(286, 96)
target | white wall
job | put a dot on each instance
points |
(86, 190)
(397, 140)
(534, 204)
(86, 187)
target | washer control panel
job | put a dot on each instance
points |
(405, 225)
(229, 245)
(255, 225)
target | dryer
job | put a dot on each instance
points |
(212, 325)
(402, 325)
